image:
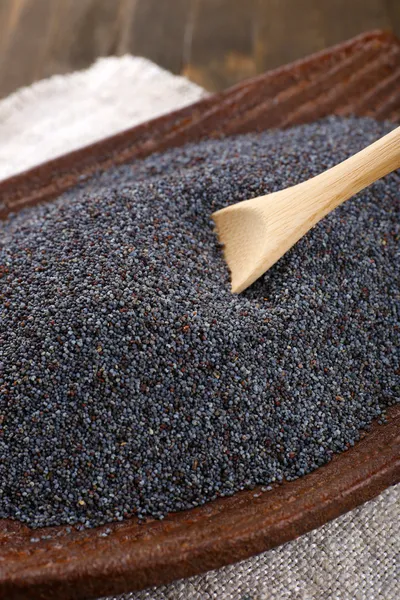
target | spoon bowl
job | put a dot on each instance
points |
(256, 233)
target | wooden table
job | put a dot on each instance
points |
(214, 42)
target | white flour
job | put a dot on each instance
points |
(65, 112)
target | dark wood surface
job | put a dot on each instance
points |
(214, 42)
(67, 564)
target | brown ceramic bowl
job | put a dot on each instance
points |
(359, 77)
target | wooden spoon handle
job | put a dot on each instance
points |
(357, 172)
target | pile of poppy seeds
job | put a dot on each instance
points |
(132, 382)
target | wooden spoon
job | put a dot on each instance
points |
(256, 233)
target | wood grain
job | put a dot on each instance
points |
(214, 42)
(393, 8)
(285, 33)
(157, 31)
(342, 19)
(221, 48)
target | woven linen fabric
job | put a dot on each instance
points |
(66, 112)
(355, 557)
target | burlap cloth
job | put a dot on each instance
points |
(355, 557)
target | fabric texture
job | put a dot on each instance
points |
(355, 557)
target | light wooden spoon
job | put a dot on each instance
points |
(256, 233)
